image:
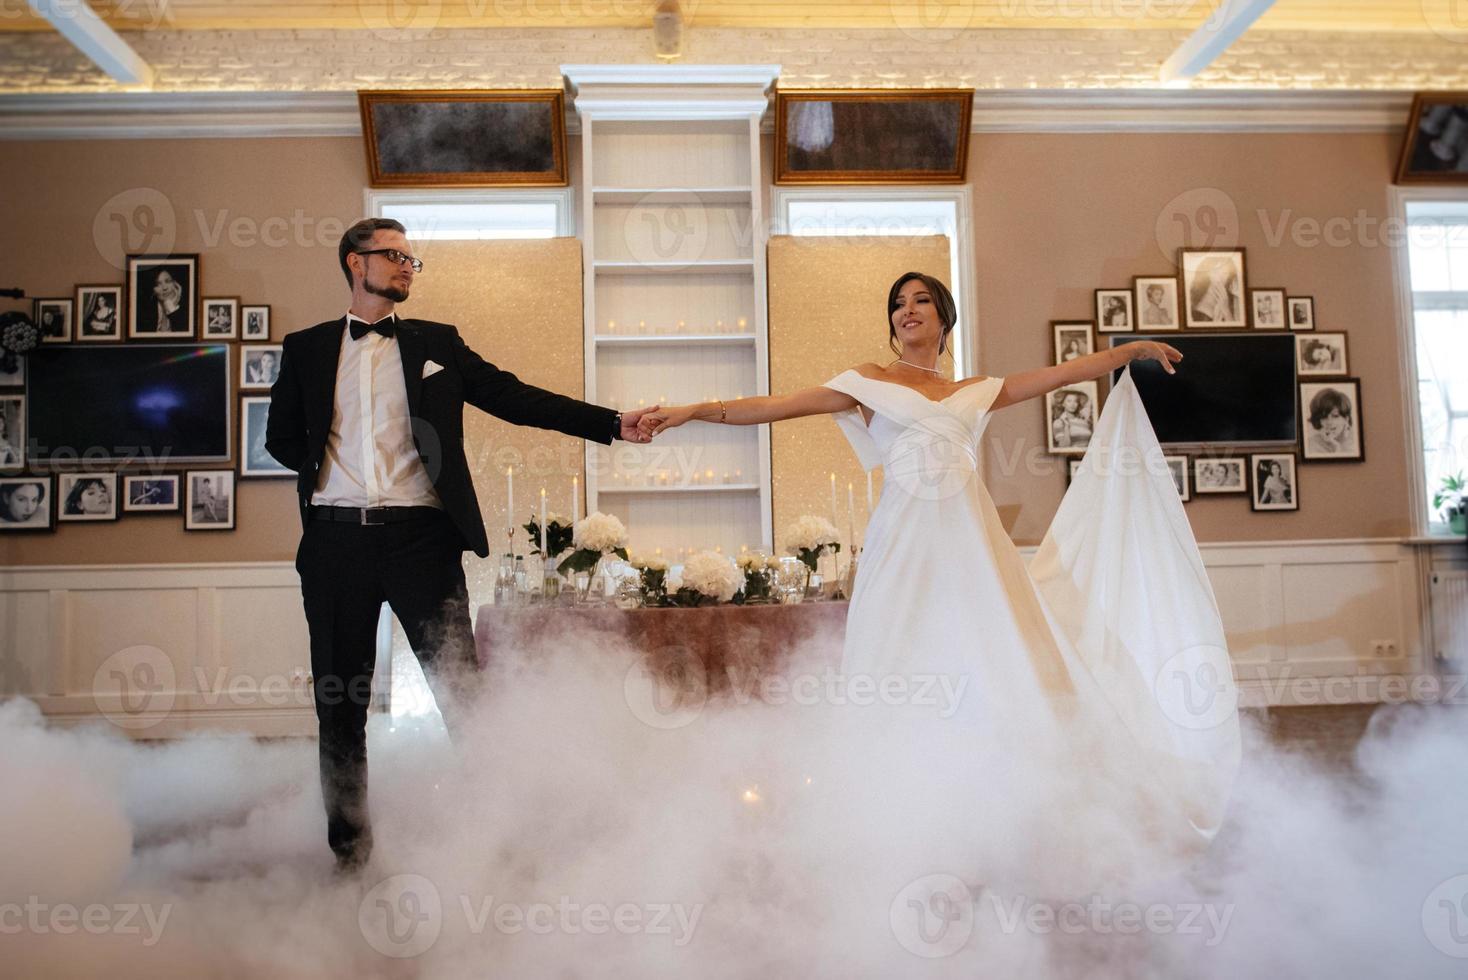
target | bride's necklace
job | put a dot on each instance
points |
(918, 366)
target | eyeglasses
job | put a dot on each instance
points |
(395, 257)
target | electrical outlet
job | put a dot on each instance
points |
(1383, 648)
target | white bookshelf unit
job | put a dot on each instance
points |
(673, 233)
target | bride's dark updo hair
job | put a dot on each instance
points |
(942, 301)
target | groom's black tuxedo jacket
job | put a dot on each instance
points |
(304, 395)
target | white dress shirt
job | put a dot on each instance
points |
(370, 457)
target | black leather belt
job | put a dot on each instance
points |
(368, 516)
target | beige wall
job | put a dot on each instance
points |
(1054, 217)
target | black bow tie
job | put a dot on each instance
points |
(386, 326)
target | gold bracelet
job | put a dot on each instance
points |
(723, 412)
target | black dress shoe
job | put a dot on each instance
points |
(351, 863)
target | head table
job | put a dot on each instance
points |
(712, 642)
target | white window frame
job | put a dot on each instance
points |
(961, 264)
(1399, 198)
(562, 197)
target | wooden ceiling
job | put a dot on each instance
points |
(945, 15)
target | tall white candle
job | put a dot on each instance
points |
(543, 553)
(850, 517)
(834, 518)
(510, 503)
(869, 493)
(575, 499)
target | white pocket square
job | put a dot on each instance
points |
(430, 368)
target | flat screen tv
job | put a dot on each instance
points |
(1231, 389)
(129, 403)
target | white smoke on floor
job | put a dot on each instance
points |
(575, 831)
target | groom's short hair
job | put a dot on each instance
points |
(359, 236)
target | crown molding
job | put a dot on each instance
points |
(209, 115)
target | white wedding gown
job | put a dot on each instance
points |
(1097, 734)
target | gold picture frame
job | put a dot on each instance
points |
(467, 138)
(1435, 145)
(872, 136)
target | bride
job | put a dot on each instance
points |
(1097, 685)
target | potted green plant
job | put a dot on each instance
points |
(1452, 499)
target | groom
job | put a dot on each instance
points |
(368, 409)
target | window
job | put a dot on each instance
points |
(476, 214)
(896, 212)
(1437, 276)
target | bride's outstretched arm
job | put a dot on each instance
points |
(1032, 384)
(750, 411)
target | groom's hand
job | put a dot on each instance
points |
(631, 432)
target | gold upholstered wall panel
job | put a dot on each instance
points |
(518, 304)
(828, 301)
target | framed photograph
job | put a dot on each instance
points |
(210, 503)
(1435, 150)
(1226, 474)
(1156, 302)
(12, 371)
(1114, 313)
(86, 496)
(12, 432)
(100, 312)
(27, 504)
(156, 494)
(221, 318)
(1070, 415)
(1301, 312)
(256, 322)
(465, 138)
(163, 295)
(53, 319)
(872, 136)
(1073, 339)
(259, 366)
(1321, 355)
(1178, 467)
(1273, 485)
(1213, 284)
(1267, 309)
(255, 460)
(1330, 418)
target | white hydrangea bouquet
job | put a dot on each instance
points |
(594, 537)
(810, 537)
(653, 570)
(708, 578)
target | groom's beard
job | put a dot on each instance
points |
(395, 293)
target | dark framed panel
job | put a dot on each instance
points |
(471, 138)
(872, 136)
(1435, 148)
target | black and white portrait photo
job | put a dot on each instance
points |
(210, 503)
(254, 459)
(87, 496)
(221, 318)
(1071, 415)
(26, 503)
(1330, 414)
(99, 313)
(163, 293)
(259, 366)
(150, 494)
(53, 319)
(12, 432)
(1321, 355)
(1213, 288)
(256, 320)
(1114, 310)
(1178, 467)
(1073, 339)
(1226, 475)
(1436, 148)
(1301, 312)
(1156, 302)
(1267, 307)
(1274, 482)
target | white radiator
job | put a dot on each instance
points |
(1450, 615)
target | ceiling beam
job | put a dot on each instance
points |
(1211, 39)
(80, 25)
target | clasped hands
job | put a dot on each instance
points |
(644, 423)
